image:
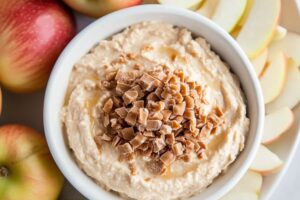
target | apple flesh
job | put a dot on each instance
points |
(27, 170)
(32, 35)
(266, 162)
(290, 45)
(290, 95)
(259, 28)
(226, 15)
(259, 62)
(274, 76)
(208, 8)
(189, 4)
(98, 8)
(280, 33)
(277, 123)
(248, 188)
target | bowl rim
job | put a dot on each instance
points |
(61, 163)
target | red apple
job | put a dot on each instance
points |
(27, 170)
(32, 35)
(97, 8)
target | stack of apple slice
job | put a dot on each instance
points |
(275, 56)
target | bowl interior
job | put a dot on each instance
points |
(102, 28)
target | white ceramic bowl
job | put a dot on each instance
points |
(113, 23)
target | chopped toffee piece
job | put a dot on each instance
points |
(167, 158)
(157, 114)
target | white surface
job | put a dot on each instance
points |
(220, 41)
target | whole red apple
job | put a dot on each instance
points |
(97, 8)
(32, 35)
(27, 171)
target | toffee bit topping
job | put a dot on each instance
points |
(157, 114)
(167, 158)
(108, 105)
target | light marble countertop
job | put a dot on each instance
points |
(28, 110)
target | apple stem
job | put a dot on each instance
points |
(4, 172)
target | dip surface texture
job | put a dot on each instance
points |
(143, 47)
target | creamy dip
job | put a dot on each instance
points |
(145, 46)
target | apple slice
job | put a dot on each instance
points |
(280, 33)
(276, 123)
(290, 95)
(259, 27)
(266, 162)
(290, 45)
(208, 8)
(189, 4)
(226, 15)
(273, 78)
(259, 62)
(248, 188)
(246, 13)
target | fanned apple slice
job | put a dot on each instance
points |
(266, 162)
(259, 62)
(259, 27)
(280, 33)
(277, 123)
(189, 4)
(290, 95)
(273, 78)
(246, 13)
(290, 45)
(208, 8)
(248, 188)
(226, 15)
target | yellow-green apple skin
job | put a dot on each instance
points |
(27, 170)
(98, 8)
(32, 35)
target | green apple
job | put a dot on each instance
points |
(27, 170)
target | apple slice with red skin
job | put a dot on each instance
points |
(32, 35)
(276, 124)
(27, 170)
(290, 95)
